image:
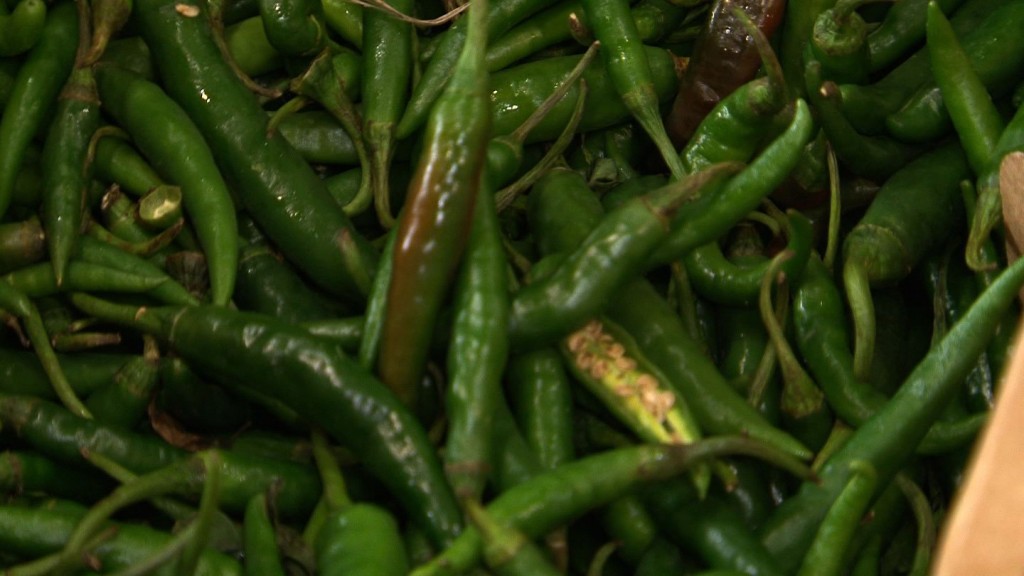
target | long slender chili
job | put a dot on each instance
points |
(436, 218)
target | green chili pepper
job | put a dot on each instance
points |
(22, 28)
(36, 87)
(280, 191)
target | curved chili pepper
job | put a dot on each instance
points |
(22, 28)
(294, 27)
(825, 556)
(434, 223)
(280, 191)
(902, 28)
(838, 41)
(914, 211)
(175, 147)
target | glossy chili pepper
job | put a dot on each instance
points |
(724, 58)
(994, 50)
(116, 161)
(377, 428)
(433, 226)
(540, 392)
(36, 87)
(175, 147)
(913, 212)
(280, 191)
(887, 440)
(294, 27)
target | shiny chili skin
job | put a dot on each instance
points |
(280, 191)
(271, 357)
(436, 218)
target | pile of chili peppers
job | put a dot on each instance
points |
(514, 287)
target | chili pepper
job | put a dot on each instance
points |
(432, 228)
(993, 48)
(387, 65)
(901, 30)
(516, 92)
(21, 372)
(543, 30)
(163, 287)
(378, 429)
(123, 402)
(587, 483)
(838, 41)
(30, 473)
(716, 278)
(723, 59)
(250, 48)
(719, 410)
(540, 391)
(39, 280)
(797, 28)
(825, 556)
(76, 116)
(710, 216)
(820, 323)
(887, 440)
(294, 27)
(630, 74)
(22, 28)
(708, 527)
(196, 404)
(266, 284)
(176, 148)
(925, 520)
(872, 156)
(507, 551)
(514, 461)
(108, 17)
(440, 69)
(477, 354)
(39, 530)
(376, 307)
(36, 87)
(914, 210)
(631, 526)
(346, 19)
(261, 553)
(21, 244)
(319, 138)
(607, 258)
(114, 160)
(130, 53)
(280, 191)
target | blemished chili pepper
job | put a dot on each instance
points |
(825, 556)
(440, 69)
(22, 28)
(76, 117)
(579, 288)
(887, 440)
(44, 529)
(436, 218)
(280, 191)
(376, 426)
(517, 91)
(901, 30)
(387, 70)
(912, 213)
(586, 483)
(724, 58)
(176, 148)
(626, 62)
(994, 49)
(36, 87)
(713, 214)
